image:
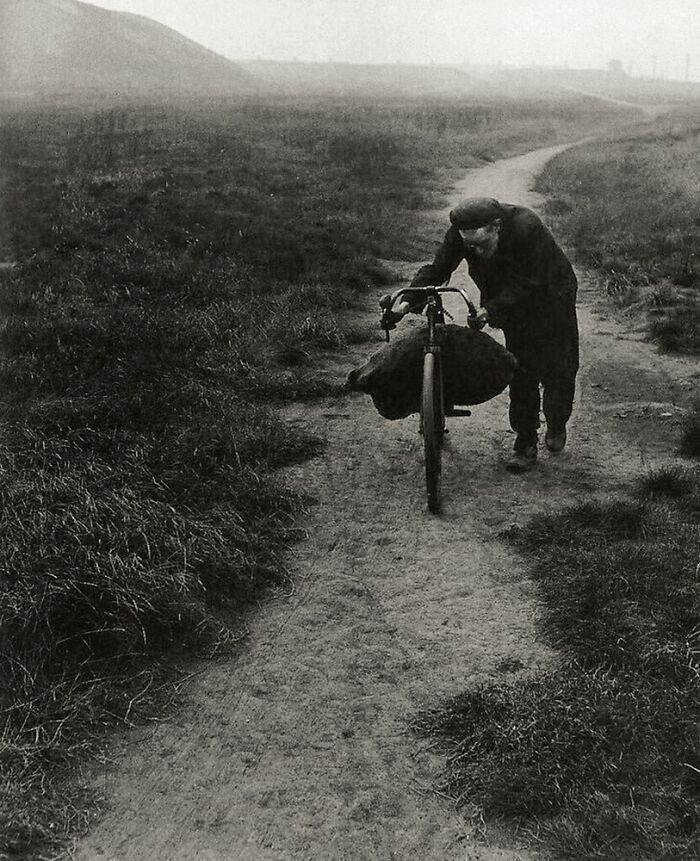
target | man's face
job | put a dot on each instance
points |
(482, 241)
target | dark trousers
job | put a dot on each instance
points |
(548, 358)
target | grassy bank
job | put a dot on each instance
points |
(601, 758)
(177, 268)
(629, 209)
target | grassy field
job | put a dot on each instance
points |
(177, 267)
(601, 759)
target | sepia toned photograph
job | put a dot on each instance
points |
(350, 430)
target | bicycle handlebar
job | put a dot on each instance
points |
(425, 293)
(388, 305)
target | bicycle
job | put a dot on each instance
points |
(432, 402)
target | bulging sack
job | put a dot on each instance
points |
(475, 369)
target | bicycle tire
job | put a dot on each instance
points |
(433, 422)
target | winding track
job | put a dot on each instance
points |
(298, 748)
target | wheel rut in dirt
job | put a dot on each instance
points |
(298, 747)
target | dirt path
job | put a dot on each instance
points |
(298, 749)
(648, 111)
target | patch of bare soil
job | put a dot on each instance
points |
(298, 748)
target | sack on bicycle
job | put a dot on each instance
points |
(476, 369)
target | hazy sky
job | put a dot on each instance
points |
(583, 33)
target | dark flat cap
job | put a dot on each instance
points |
(475, 212)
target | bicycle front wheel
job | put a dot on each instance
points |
(433, 421)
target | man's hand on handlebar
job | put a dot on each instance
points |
(391, 316)
(479, 320)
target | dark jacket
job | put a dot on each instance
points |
(528, 285)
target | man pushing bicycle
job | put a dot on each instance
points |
(528, 288)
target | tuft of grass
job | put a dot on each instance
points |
(673, 482)
(676, 329)
(603, 754)
(607, 521)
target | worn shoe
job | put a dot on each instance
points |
(522, 459)
(555, 439)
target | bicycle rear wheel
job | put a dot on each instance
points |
(433, 421)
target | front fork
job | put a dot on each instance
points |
(441, 388)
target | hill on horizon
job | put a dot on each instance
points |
(73, 48)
